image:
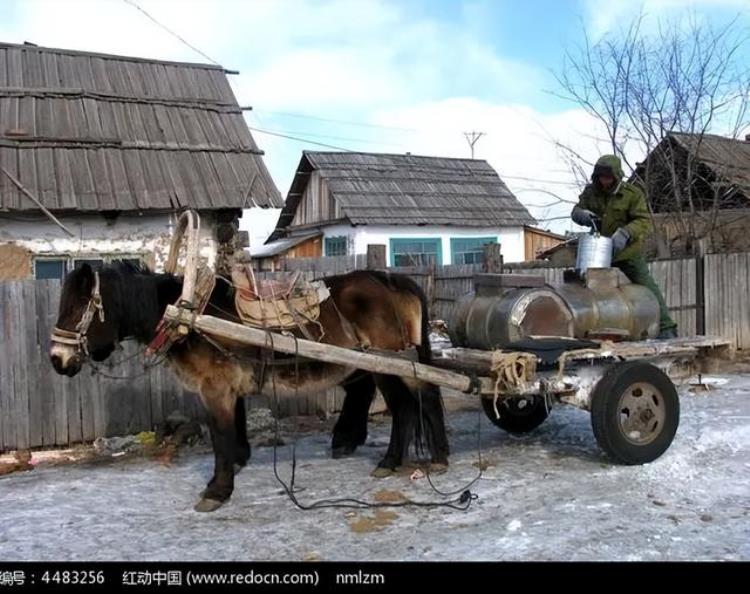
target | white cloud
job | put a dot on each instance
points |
(519, 144)
(603, 17)
(368, 60)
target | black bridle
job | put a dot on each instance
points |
(79, 337)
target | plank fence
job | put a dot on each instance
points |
(40, 408)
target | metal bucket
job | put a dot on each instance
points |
(594, 251)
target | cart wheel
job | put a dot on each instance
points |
(635, 412)
(517, 415)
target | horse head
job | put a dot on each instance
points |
(87, 322)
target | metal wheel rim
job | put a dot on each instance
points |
(521, 406)
(641, 413)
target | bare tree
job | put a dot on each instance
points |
(686, 77)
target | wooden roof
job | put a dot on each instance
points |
(729, 158)
(96, 132)
(392, 189)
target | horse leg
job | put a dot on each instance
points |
(432, 425)
(242, 453)
(220, 405)
(351, 428)
(404, 417)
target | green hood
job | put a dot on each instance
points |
(611, 162)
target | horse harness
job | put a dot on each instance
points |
(79, 337)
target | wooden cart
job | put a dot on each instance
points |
(628, 387)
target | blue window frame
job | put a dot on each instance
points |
(336, 246)
(469, 250)
(423, 251)
(49, 268)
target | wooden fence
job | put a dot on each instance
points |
(443, 285)
(40, 408)
(727, 296)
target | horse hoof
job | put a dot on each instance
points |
(438, 468)
(208, 505)
(342, 452)
(381, 472)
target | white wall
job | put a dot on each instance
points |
(147, 236)
(259, 223)
(511, 238)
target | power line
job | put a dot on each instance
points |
(540, 181)
(336, 121)
(303, 134)
(353, 123)
(298, 139)
(168, 30)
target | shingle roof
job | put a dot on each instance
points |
(95, 132)
(279, 246)
(729, 158)
(389, 189)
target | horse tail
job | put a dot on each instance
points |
(429, 408)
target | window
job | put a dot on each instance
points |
(95, 263)
(469, 250)
(49, 269)
(416, 252)
(134, 262)
(336, 246)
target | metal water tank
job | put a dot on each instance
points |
(505, 308)
(496, 313)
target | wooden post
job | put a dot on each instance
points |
(493, 258)
(33, 198)
(376, 257)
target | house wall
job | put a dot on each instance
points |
(722, 231)
(317, 205)
(511, 238)
(538, 241)
(148, 236)
(312, 248)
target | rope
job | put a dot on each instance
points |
(513, 371)
(462, 503)
(147, 366)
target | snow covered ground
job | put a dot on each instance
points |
(548, 495)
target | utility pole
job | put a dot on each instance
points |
(472, 138)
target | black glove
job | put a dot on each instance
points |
(620, 239)
(585, 217)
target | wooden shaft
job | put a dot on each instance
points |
(187, 223)
(320, 351)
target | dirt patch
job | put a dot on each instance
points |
(483, 464)
(386, 496)
(374, 523)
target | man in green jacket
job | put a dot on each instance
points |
(618, 210)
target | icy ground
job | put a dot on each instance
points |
(548, 495)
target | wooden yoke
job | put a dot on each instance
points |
(189, 222)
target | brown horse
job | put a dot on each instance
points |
(366, 309)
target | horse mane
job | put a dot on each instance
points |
(137, 296)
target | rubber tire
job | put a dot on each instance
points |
(605, 414)
(514, 422)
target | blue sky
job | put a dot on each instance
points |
(408, 75)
